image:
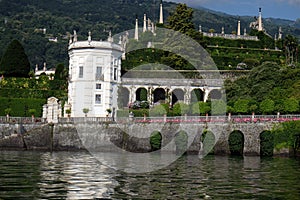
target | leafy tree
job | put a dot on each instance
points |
(241, 106)
(267, 106)
(291, 49)
(61, 72)
(286, 135)
(200, 108)
(291, 105)
(218, 107)
(14, 62)
(180, 109)
(158, 110)
(263, 79)
(181, 20)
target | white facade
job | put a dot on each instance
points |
(94, 75)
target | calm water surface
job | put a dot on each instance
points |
(77, 175)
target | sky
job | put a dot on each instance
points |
(284, 9)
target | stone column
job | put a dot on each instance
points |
(45, 111)
(206, 94)
(187, 96)
(150, 95)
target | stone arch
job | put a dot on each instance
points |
(181, 142)
(236, 143)
(159, 95)
(155, 140)
(215, 94)
(141, 94)
(123, 97)
(177, 95)
(266, 143)
(197, 95)
(208, 141)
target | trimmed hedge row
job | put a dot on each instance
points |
(30, 93)
(20, 106)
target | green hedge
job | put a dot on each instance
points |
(20, 107)
(29, 93)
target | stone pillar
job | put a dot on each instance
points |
(252, 142)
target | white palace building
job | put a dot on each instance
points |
(96, 85)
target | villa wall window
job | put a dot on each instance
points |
(98, 86)
(99, 75)
(81, 72)
(98, 99)
(115, 74)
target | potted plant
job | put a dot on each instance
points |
(108, 112)
(85, 111)
(68, 112)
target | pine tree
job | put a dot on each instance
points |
(181, 20)
(14, 62)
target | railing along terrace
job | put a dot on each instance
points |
(84, 119)
(163, 119)
(22, 120)
(212, 119)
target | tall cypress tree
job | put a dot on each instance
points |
(14, 62)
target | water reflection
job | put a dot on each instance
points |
(77, 175)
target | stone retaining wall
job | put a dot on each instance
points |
(133, 137)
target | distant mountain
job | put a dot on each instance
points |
(37, 24)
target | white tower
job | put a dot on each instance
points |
(94, 75)
(145, 23)
(260, 25)
(239, 28)
(200, 28)
(136, 32)
(280, 33)
(161, 14)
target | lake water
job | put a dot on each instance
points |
(77, 175)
